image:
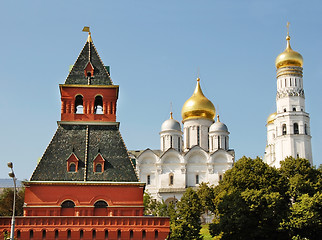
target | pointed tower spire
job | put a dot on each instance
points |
(88, 75)
(89, 64)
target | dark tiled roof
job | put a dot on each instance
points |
(103, 139)
(89, 54)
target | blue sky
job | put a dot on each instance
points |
(154, 49)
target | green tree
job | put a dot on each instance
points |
(302, 177)
(250, 202)
(154, 207)
(187, 225)
(304, 186)
(305, 220)
(206, 196)
(6, 202)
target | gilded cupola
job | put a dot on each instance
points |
(198, 106)
(271, 118)
(289, 57)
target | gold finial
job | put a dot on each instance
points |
(198, 79)
(288, 28)
(218, 118)
(89, 38)
(288, 38)
(171, 115)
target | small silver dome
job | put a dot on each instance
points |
(218, 126)
(170, 124)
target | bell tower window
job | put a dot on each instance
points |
(296, 128)
(98, 105)
(79, 108)
(284, 129)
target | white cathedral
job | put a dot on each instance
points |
(201, 153)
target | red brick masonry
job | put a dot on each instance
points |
(87, 227)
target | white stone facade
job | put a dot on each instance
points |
(169, 171)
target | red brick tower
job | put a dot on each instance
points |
(85, 186)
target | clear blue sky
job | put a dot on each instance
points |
(154, 49)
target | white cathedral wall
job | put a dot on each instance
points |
(165, 140)
(196, 165)
(171, 164)
(191, 134)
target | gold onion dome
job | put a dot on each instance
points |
(198, 106)
(289, 57)
(271, 118)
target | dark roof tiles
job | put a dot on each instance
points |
(77, 75)
(105, 139)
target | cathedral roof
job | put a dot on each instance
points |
(218, 126)
(170, 124)
(198, 106)
(90, 56)
(271, 118)
(86, 144)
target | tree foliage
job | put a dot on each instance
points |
(255, 201)
(305, 219)
(302, 177)
(305, 188)
(6, 202)
(206, 196)
(187, 225)
(154, 207)
(184, 215)
(250, 202)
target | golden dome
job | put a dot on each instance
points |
(289, 57)
(271, 118)
(198, 106)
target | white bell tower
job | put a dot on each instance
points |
(288, 130)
